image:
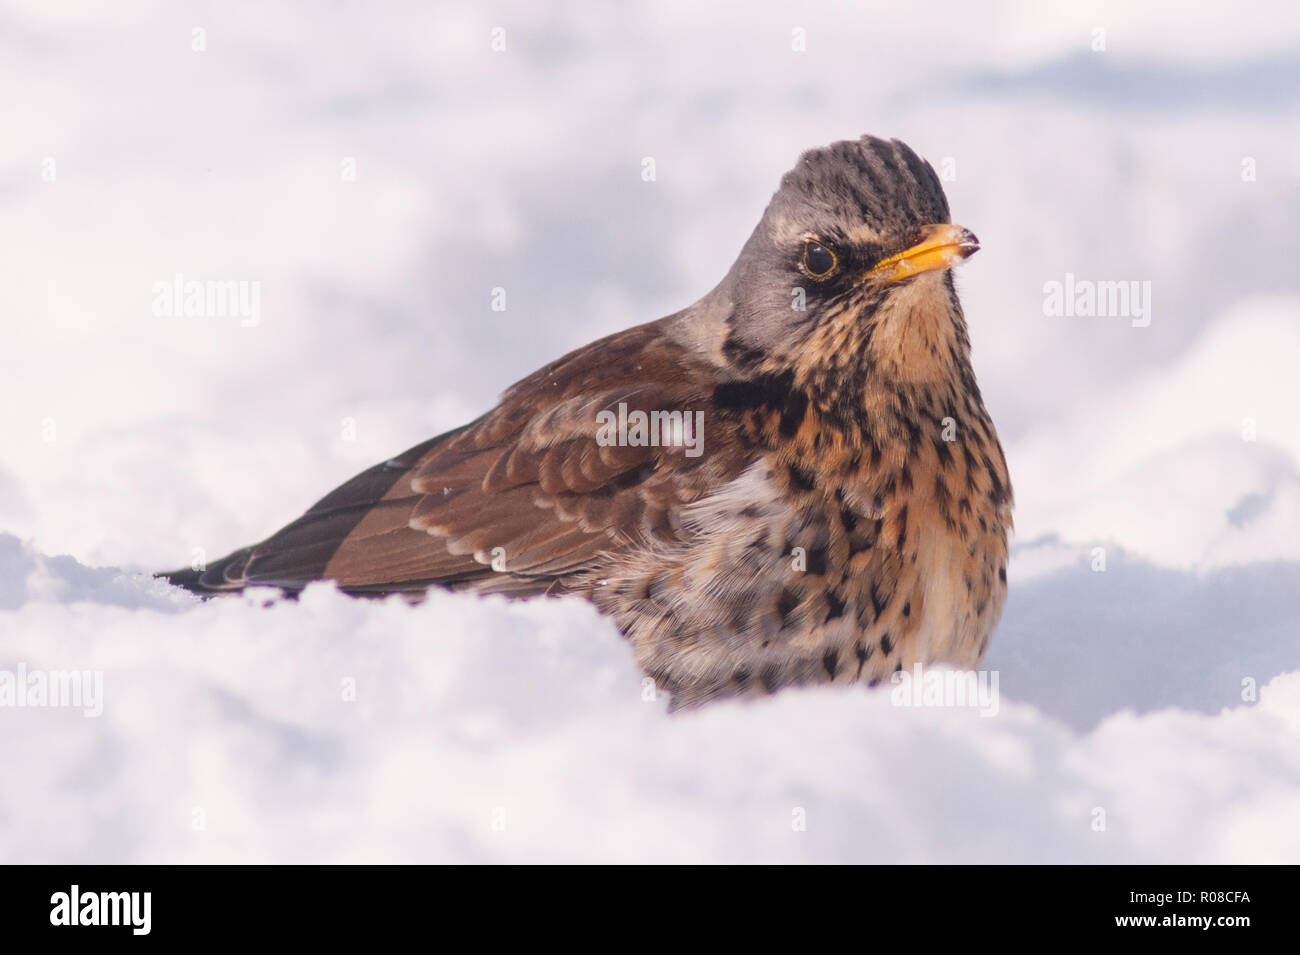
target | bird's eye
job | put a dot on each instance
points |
(818, 260)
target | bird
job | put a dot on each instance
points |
(793, 481)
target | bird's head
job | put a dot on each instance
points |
(856, 244)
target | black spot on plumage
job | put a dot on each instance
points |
(859, 544)
(831, 662)
(943, 451)
(998, 492)
(802, 479)
(793, 413)
(886, 645)
(879, 600)
(972, 464)
(772, 393)
(913, 436)
(787, 602)
(863, 653)
(835, 607)
(849, 519)
(1002, 573)
(740, 354)
(739, 396)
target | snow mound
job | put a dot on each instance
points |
(329, 730)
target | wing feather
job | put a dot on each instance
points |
(527, 482)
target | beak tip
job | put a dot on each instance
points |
(939, 246)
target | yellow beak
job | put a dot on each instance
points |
(941, 247)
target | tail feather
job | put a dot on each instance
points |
(222, 576)
(302, 551)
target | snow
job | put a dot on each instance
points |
(1148, 661)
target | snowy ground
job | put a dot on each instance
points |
(1149, 711)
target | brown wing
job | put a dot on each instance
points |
(519, 501)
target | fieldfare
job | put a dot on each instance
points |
(792, 481)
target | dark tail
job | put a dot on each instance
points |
(300, 552)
